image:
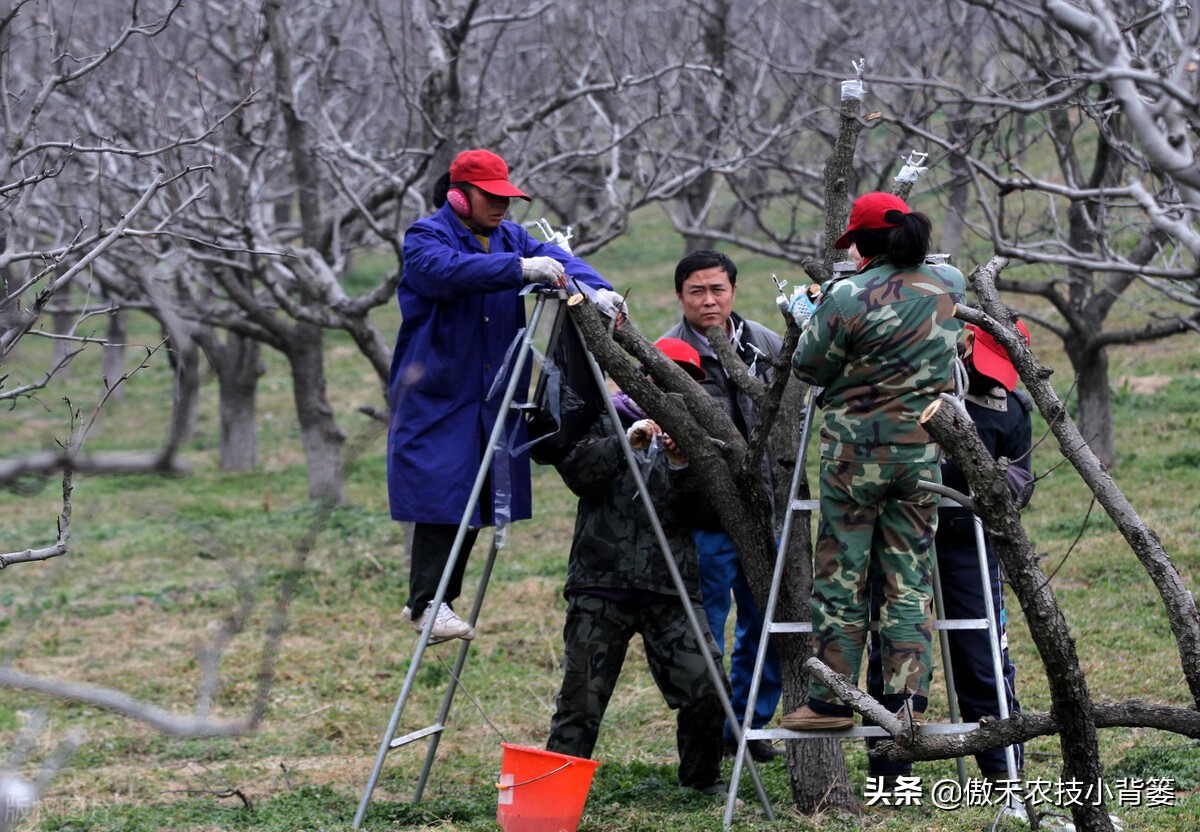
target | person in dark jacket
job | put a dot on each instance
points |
(461, 307)
(1001, 414)
(618, 584)
(705, 286)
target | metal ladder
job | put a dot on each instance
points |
(434, 731)
(941, 624)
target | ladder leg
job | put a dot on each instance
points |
(456, 673)
(947, 664)
(994, 639)
(769, 613)
(496, 436)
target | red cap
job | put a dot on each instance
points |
(683, 354)
(991, 359)
(870, 211)
(486, 171)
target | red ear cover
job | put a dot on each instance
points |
(459, 203)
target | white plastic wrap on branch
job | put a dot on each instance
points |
(853, 88)
(555, 238)
(913, 169)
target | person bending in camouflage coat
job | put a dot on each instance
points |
(882, 344)
(618, 584)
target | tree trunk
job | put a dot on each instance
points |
(185, 408)
(1095, 398)
(817, 768)
(62, 323)
(954, 225)
(238, 369)
(1144, 541)
(319, 433)
(1071, 701)
(113, 353)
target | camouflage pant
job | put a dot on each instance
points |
(597, 635)
(873, 516)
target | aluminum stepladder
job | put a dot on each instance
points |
(433, 732)
(941, 624)
(497, 437)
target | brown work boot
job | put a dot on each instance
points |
(806, 719)
(918, 717)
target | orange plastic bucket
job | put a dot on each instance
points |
(542, 791)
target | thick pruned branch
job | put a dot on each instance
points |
(1029, 725)
(1180, 605)
(948, 423)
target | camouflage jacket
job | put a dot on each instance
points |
(882, 344)
(614, 546)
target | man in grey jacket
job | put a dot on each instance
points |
(706, 285)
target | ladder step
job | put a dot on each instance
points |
(939, 624)
(961, 624)
(789, 627)
(805, 505)
(938, 728)
(417, 735)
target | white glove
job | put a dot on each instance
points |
(609, 302)
(641, 433)
(541, 270)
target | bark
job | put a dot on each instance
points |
(44, 463)
(1029, 725)
(1090, 362)
(113, 353)
(237, 363)
(781, 413)
(186, 401)
(321, 437)
(319, 433)
(1144, 541)
(63, 324)
(810, 794)
(949, 424)
(837, 170)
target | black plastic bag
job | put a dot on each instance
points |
(568, 399)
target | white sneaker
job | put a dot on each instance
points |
(446, 625)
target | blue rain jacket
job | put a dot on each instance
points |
(461, 310)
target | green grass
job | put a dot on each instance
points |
(156, 564)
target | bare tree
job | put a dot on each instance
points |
(53, 56)
(1079, 155)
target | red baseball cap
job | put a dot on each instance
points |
(870, 211)
(991, 359)
(486, 171)
(683, 354)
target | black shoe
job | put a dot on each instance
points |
(717, 789)
(760, 750)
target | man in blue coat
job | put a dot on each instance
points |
(461, 308)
